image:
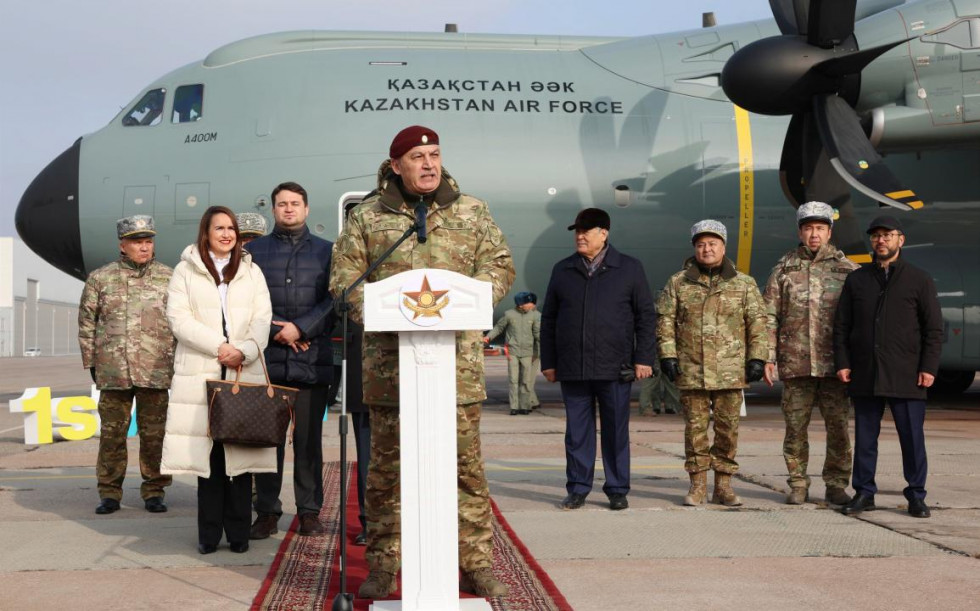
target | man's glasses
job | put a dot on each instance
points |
(882, 237)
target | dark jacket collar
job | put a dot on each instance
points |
(613, 258)
(693, 271)
(293, 236)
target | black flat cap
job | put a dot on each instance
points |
(589, 218)
(884, 222)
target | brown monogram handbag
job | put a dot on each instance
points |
(247, 414)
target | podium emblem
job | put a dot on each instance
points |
(424, 306)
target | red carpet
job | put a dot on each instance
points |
(306, 571)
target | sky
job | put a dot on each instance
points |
(68, 66)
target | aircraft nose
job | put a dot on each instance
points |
(47, 216)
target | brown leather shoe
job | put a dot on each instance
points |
(377, 585)
(481, 582)
(264, 526)
(309, 525)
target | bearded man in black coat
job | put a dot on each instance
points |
(888, 333)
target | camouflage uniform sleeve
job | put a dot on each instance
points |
(186, 328)
(88, 317)
(773, 297)
(493, 260)
(261, 317)
(498, 328)
(348, 262)
(666, 319)
(756, 332)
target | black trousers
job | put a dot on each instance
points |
(909, 416)
(311, 405)
(361, 422)
(223, 503)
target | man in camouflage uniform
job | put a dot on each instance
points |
(801, 298)
(128, 348)
(712, 335)
(522, 329)
(462, 237)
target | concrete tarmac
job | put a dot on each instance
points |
(55, 551)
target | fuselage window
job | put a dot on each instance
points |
(148, 110)
(188, 104)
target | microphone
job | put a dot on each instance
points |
(420, 223)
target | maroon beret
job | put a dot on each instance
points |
(409, 138)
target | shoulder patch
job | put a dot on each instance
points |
(494, 234)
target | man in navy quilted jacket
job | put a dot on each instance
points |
(296, 265)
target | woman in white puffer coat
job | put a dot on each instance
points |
(219, 310)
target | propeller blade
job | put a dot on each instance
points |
(790, 16)
(826, 185)
(801, 151)
(852, 155)
(830, 22)
(793, 173)
(852, 61)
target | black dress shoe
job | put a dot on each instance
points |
(206, 548)
(107, 506)
(361, 539)
(618, 501)
(919, 509)
(860, 502)
(572, 501)
(239, 547)
(154, 504)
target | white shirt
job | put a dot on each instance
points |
(219, 266)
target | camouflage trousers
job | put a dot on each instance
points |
(800, 395)
(657, 390)
(382, 497)
(151, 420)
(698, 405)
(520, 374)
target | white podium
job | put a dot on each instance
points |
(427, 307)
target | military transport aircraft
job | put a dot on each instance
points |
(740, 123)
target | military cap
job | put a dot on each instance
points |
(885, 222)
(136, 226)
(709, 226)
(589, 218)
(814, 211)
(409, 138)
(251, 224)
(522, 298)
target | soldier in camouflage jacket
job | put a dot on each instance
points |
(801, 298)
(128, 348)
(462, 237)
(711, 331)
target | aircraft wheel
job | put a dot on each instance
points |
(951, 382)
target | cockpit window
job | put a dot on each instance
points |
(188, 104)
(148, 110)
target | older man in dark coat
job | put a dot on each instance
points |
(598, 332)
(888, 334)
